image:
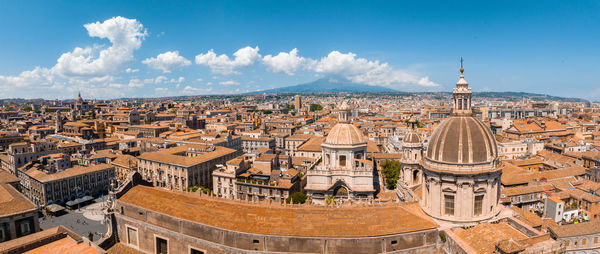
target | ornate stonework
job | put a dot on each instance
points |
(344, 173)
(461, 166)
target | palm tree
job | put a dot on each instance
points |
(330, 200)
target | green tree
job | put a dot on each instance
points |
(266, 112)
(27, 108)
(391, 173)
(297, 198)
(330, 200)
(315, 107)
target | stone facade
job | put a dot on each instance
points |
(345, 172)
(461, 172)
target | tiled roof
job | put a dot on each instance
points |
(484, 237)
(70, 244)
(69, 172)
(168, 156)
(520, 190)
(303, 221)
(312, 145)
(13, 202)
(586, 228)
(6, 177)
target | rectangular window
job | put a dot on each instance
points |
(478, 205)
(132, 236)
(449, 204)
(161, 246)
(342, 160)
(195, 251)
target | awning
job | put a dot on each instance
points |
(79, 201)
(53, 208)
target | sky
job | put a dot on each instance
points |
(116, 49)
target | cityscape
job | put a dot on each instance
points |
(352, 141)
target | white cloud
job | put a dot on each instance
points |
(229, 83)
(189, 90)
(129, 70)
(115, 85)
(361, 70)
(136, 83)
(424, 81)
(83, 68)
(222, 64)
(161, 90)
(157, 80)
(168, 61)
(37, 76)
(126, 35)
(284, 62)
(179, 80)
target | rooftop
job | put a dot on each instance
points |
(484, 237)
(303, 221)
(12, 202)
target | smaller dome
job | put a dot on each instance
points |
(412, 138)
(345, 134)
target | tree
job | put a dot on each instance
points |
(330, 200)
(297, 198)
(391, 173)
(27, 108)
(266, 112)
(315, 107)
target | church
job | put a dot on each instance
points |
(458, 178)
(345, 173)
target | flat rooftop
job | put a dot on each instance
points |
(301, 221)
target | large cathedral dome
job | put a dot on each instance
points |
(461, 175)
(462, 140)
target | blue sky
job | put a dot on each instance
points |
(112, 49)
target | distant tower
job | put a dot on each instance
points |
(344, 113)
(298, 103)
(412, 151)
(58, 122)
(263, 128)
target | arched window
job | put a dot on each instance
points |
(415, 176)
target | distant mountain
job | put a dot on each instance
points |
(329, 85)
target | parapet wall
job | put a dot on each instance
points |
(183, 235)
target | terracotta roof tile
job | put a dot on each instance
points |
(278, 220)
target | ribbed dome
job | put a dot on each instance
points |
(412, 138)
(462, 140)
(345, 134)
